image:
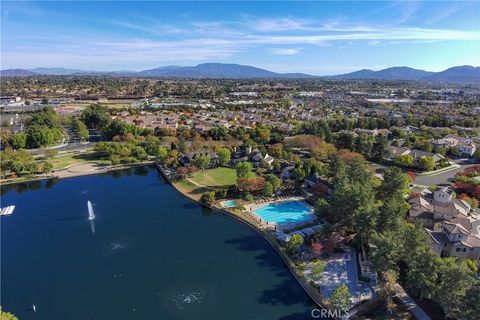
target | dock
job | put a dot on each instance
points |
(7, 211)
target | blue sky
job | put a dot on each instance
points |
(311, 37)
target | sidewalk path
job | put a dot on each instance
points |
(410, 305)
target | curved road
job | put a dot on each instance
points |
(444, 177)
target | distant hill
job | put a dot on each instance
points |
(218, 70)
(16, 73)
(460, 74)
(394, 73)
(360, 74)
(55, 71)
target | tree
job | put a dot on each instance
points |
(95, 116)
(139, 153)
(336, 169)
(224, 156)
(323, 150)
(244, 169)
(426, 163)
(453, 151)
(322, 207)
(208, 197)
(476, 154)
(380, 148)
(388, 280)
(6, 315)
(47, 167)
(316, 248)
(470, 306)
(298, 174)
(81, 128)
(454, 280)
(295, 242)
(203, 161)
(392, 212)
(317, 269)
(274, 180)
(251, 184)
(267, 189)
(162, 153)
(387, 251)
(394, 181)
(340, 299)
(18, 140)
(172, 158)
(18, 161)
(404, 160)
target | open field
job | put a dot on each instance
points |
(64, 161)
(217, 177)
(208, 180)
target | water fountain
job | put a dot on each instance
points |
(91, 214)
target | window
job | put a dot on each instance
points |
(458, 249)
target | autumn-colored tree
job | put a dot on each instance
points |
(323, 150)
(348, 156)
(251, 184)
(411, 175)
(320, 190)
(316, 248)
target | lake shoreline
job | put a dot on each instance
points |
(86, 170)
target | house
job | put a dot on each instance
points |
(452, 229)
(398, 151)
(465, 146)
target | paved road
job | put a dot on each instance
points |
(72, 144)
(445, 177)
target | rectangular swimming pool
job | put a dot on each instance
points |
(285, 212)
(229, 204)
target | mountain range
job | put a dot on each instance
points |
(459, 74)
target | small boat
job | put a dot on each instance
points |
(7, 211)
(34, 308)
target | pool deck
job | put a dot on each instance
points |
(342, 268)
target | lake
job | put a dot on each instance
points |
(148, 254)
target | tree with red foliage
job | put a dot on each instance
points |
(182, 171)
(251, 184)
(319, 189)
(316, 248)
(411, 175)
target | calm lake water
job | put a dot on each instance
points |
(150, 254)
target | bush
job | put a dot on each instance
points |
(248, 197)
(222, 193)
(208, 197)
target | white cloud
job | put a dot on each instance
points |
(285, 51)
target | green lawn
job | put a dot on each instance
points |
(63, 161)
(215, 177)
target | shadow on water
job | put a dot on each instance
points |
(190, 205)
(22, 187)
(72, 218)
(287, 291)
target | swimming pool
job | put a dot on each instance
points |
(229, 204)
(285, 212)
